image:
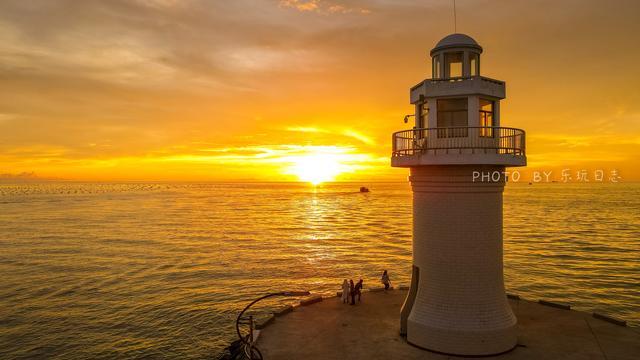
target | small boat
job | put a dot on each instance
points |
(364, 189)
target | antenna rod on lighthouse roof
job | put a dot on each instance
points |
(455, 20)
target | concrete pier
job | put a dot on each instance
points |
(370, 330)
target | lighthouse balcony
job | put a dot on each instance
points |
(459, 146)
(480, 85)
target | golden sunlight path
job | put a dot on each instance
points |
(331, 330)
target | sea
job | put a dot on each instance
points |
(161, 270)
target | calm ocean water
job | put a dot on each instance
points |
(160, 270)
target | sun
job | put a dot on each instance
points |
(317, 168)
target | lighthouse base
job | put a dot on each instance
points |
(460, 306)
(461, 342)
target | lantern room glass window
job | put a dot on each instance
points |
(474, 64)
(486, 118)
(453, 64)
(452, 117)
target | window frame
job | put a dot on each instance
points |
(447, 64)
(474, 70)
(452, 130)
(486, 118)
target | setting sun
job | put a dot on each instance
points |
(318, 168)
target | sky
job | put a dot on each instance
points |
(262, 90)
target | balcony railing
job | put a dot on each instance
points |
(459, 140)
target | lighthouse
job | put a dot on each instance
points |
(457, 154)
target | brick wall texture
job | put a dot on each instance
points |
(460, 306)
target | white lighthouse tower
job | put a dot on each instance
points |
(457, 153)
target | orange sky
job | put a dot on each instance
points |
(245, 90)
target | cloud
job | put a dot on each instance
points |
(357, 135)
(306, 129)
(22, 175)
(323, 7)
(6, 117)
(349, 133)
(301, 5)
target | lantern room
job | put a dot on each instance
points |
(457, 113)
(455, 56)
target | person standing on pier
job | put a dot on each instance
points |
(385, 280)
(358, 291)
(345, 291)
(352, 292)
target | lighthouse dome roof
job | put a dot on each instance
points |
(456, 41)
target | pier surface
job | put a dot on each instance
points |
(369, 330)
